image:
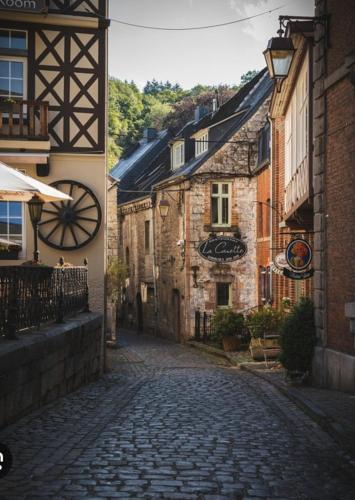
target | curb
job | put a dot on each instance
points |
(334, 429)
(212, 350)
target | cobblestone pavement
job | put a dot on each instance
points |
(169, 423)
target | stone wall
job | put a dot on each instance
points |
(42, 366)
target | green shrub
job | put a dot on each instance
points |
(298, 337)
(227, 323)
(266, 321)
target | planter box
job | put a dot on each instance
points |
(258, 348)
(11, 255)
(9, 107)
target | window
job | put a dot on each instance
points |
(11, 221)
(12, 78)
(178, 155)
(11, 39)
(12, 69)
(147, 236)
(296, 125)
(264, 145)
(221, 203)
(223, 291)
(264, 285)
(201, 144)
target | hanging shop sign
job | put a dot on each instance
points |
(298, 254)
(298, 257)
(303, 275)
(222, 249)
(281, 262)
(36, 6)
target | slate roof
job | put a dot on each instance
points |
(143, 168)
(149, 163)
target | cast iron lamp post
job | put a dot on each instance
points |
(35, 206)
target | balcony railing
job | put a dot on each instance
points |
(33, 295)
(297, 190)
(24, 120)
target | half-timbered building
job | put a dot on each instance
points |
(52, 126)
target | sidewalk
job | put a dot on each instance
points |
(334, 411)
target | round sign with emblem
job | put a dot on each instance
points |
(298, 254)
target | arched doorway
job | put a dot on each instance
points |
(139, 307)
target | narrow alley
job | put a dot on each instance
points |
(167, 422)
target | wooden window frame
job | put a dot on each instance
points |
(219, 197)
(224, 306)
(201, 143)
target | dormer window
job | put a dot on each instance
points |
(178, 154)
(201, 143)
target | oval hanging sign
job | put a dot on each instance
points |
(222, 249)
(298, 254)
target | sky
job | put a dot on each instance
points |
(211, 57)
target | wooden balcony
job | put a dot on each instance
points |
(297, 191)
(24, 120)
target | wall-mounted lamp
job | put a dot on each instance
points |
(278, 56)
(164, 207)
(194, 270)
(280, 50)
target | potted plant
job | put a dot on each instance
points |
(264, 326)
(228, 328)
(297, 339)
(7, 104)
(9, 250)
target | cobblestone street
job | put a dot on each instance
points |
(168, 422)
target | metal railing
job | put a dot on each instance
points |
(24, 120)
(204, 326)
(33, 295)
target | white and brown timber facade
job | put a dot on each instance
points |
(54, 69)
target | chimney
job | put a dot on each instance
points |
(200, 111)
(149, 134)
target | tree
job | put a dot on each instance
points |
(249, 75)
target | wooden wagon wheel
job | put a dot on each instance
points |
(69, 225)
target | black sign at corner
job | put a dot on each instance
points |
(293, 275)
(222, 249)
(36, 6)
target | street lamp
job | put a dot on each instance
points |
(278, 56)
(164, 206)
(35, 206)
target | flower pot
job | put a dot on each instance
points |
(258, 347)
(230, 343)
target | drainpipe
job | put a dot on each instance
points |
(153, 196)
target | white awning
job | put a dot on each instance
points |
(16, 186)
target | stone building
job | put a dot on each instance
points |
(53, 127)
(176, 192)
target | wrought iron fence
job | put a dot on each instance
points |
(32, 295)
(204, 326)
